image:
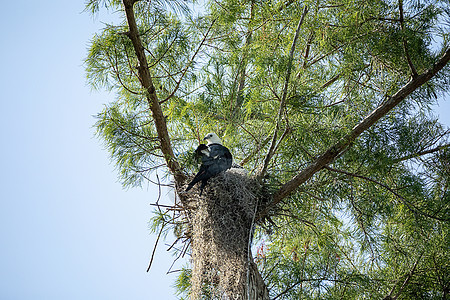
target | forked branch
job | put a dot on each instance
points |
(345, 142)
(281, 110)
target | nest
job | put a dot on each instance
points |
(221, 224)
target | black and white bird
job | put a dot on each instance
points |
(215, 158)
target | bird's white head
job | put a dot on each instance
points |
(212, 138)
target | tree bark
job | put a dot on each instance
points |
(257, 289)
(345, 142)
(155, 107)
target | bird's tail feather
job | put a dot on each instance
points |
(192, 183)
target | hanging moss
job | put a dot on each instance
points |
(221, 224)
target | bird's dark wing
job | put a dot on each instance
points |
(221, 156)
(202, 154)
(202, 175)
(202, 150)
(215, 159)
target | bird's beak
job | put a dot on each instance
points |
(205, 138)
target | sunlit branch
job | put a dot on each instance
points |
(189, 63)
(124, 129)
(345, 142)
(168, 74)
(132, 68)
(273, 144)
(115, 67)
(337, 48)
(165, 52)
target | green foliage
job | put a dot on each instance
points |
(182, 283)
(93, 6)
(375, 223)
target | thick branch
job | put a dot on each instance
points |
(344, 143)
(147, 83)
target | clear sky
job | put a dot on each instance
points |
(67, 228)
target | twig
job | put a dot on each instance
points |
(271, 151)
(255, 151)
(116, 71)
(154, 247)
(389, 296)
(307, 49)
(165, 206)
(405, 44)
(159, 192)
(410, 206)
(425, 152)
(164, 54)
(189, 63)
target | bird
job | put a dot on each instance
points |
(215, 158)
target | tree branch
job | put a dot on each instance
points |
(410, 274)
(307, 49)
(405, 44)
(154, 247)
(409, 205)
(344, 143)
(255, 151)
(189, 64)
(421, 153)
(115, 67)
(408, 277)
(243, 64)
(271, 151)
(147, 83)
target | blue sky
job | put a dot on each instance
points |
(68, 230)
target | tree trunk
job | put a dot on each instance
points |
(222, 220)
(256, 288)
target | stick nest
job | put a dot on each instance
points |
(221, 223)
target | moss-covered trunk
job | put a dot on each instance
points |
(222, 223)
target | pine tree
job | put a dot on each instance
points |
(326, 105)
